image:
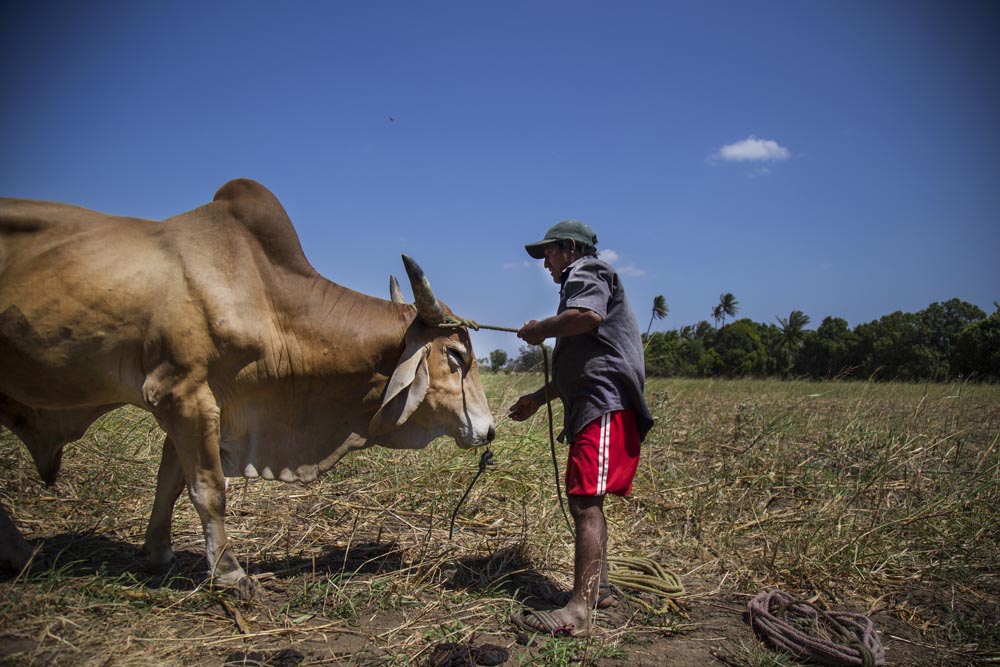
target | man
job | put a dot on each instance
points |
(598, 373)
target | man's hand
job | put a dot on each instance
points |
(526, 406)
(532, 333)
(570, 322)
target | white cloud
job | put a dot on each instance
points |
(516, 266)
(752, 149)
(630, 270)
(609, 256)
(612, 257)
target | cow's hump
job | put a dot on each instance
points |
(262, 214)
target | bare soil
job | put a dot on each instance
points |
(218, 629)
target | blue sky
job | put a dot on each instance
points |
(839, 158)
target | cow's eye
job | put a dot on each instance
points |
(456, 358)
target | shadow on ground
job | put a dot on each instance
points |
(507, 572)
(80, 556)
(362, 558)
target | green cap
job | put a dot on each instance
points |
(561, 231)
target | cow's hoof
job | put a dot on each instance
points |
(160, 560)
(242, 585)
(247, 588)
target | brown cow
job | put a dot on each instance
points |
(214, 321)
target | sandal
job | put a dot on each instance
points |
(544, 622)
(607, 596)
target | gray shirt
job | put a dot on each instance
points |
(602, 370)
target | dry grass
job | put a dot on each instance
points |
(881, 497)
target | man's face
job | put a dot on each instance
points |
(557, 259)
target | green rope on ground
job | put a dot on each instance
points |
(644, 574)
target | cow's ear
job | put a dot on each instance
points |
(406, 390)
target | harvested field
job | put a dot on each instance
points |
(876, 498)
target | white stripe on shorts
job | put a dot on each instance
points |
(603, 453)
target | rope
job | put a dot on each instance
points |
(644, 574)
(831, 638)
(452, 322)
(552, 444)
(485, 460)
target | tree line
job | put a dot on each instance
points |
(945, 341)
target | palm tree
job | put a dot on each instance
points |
(660, 310)
(792, 330)
(727, 308)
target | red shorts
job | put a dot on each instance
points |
(604, 457)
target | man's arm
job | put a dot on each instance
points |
(528, 404)
(570, 322)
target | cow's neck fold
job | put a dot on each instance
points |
(335, 329)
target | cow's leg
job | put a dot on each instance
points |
(190, 415)
(15, 552)
(169, 484)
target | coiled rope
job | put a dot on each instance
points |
(644, 574)
(801, 628)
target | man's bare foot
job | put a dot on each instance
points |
(607, 596)
(565, 622)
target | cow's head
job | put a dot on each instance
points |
(435, 388)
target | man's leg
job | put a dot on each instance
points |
(589, 564)
(590, 561)
(603, 459)
(588, 567)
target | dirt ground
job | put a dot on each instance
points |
(714, 625)
(711, 626)
(224, 631)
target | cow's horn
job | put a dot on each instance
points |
(427, 304)
(395, 293)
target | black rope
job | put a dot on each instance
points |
(452, 322)
(485, 460)
(552, 442)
